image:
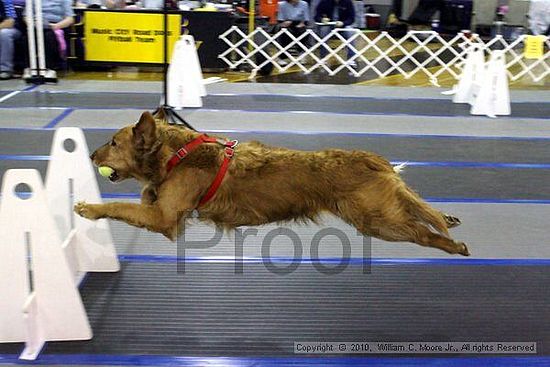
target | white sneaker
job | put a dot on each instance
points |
(50, 74)
(5, 75)
(27, 73)
(282, 62)
(352, 63)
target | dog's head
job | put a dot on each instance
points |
(127, 151)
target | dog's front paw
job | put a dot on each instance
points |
(462, 249)
(85, 210)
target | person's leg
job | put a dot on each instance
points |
(51, 50)
(324, 30)
(7, 40)
(347, 35)
(2, 41)
(297, 32)
(20, 53)
(425, 10)
(396, 8)
(283, 40)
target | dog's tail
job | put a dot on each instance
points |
(400, 167)
(422, 211)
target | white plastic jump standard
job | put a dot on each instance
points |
(185, 81)
(71, 178)
(40, 300)
(471, 77)
(493, 98)
(45, 249)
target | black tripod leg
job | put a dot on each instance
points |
(177, 117)
(167, 113)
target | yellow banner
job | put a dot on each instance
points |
(534, 47)
(128, 37)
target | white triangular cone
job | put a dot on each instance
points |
(90, 246)
(185, 82)
(493, 98)
(53, 309)
(473, 71)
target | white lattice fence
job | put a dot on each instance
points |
(417, 52)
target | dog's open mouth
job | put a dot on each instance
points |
(114, 177)
(109, 172)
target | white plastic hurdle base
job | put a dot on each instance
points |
(71, 178)
(185, 81)
(494, 95)
(40, 301)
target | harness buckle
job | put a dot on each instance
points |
(230, 148)
(229, 152)
(181, 153)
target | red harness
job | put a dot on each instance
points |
(194, 144)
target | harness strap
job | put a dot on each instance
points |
(188, 148)
(194, 144)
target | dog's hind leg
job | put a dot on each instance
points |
(391, 222)
(414, 232)
(420, 234)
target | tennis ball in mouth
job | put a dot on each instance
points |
(105, 171)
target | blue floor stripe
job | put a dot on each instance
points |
(23, 157)
(168, 361)
(79, 92)
(487, 201)
(26, 89)
(30, 88)
(120, 195)
(297, 132)
(135, 195)
(59, 118)
(506, 165)
(335, 261)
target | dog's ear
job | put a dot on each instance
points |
(144, 131)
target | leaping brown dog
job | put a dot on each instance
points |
(181, 170)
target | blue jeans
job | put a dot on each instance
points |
(7, 38)
(324, 30)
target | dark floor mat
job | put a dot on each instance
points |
(150, 308)
(275, 103)
(418, 148)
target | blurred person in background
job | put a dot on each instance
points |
(56, 16)
(335, 14)
(421, 17)
(539, 17)
(294, 16)
(8, 34)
